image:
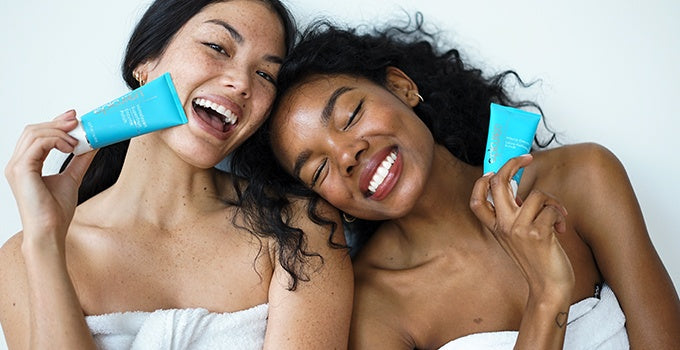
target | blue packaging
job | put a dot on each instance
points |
(511, 134)
(153, 106)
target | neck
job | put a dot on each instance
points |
(156, 186)
(444, 202)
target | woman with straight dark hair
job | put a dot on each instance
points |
(157, 248)
(389, 129)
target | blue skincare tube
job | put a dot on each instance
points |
(511, 134)
(150, 107)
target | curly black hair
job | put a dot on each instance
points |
(456, 95)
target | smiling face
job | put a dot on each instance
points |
(357, 144)
(224, 62)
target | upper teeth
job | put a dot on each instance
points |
(382, 171)
(229, 117)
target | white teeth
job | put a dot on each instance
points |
(382, 172)
(228, 116)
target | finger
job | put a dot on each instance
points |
(66, 116)
(36, 134)
(53, 128)
(550, 217)
(535, 203)
(480, 205)
(30, 158)
(503, 197)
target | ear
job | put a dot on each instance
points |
(402, 86)
(141, 72)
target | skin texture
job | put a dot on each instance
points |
(447, 263)
(167, 239)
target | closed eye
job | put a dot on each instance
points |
(317, 173)
(353, 115)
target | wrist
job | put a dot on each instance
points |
(40, 246)
(550, 294)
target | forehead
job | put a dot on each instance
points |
(314, 92)
(254, 18)
(304, 102)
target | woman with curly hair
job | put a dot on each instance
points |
(392, 131)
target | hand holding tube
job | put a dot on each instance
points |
(46, 204)
(526, 231)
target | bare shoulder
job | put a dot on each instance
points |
(587, 178)
(13, 293)
(577, 159)
(12, 271)
(574, 170)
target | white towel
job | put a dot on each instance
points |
(180, 329)
(593, 324)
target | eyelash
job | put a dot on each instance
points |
(267, 77)
(353, 115)
(317, 173)
(217, 48)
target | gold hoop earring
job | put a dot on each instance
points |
(348, 218)
(139, 78)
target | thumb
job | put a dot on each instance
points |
(79, 165)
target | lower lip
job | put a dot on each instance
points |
(209, 129)
(390, 180)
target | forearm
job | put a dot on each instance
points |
(56, 315)
(543, 325)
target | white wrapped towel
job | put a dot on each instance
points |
(180, 329)
(593, 324)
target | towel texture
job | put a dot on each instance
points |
(593, 324)
(180, 329)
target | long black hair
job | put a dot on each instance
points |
(265, 215)
(456, 95)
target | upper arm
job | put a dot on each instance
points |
(609, 219)
(14, 306)
(317, 313)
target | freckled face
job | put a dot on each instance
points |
(224, 62)
(356, 143)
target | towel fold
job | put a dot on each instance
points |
(593, 324)
(180, 329)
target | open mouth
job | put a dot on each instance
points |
(381, 173)
(217, 116)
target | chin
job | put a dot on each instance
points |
(204, 161)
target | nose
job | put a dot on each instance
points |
(348, 155)
(238, 80)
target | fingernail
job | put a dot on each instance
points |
(488, 174)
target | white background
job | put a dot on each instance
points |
(610, 73)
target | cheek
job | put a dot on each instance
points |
(338, 196)
(263, 98)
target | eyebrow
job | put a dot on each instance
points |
(232, 31)
(239, 39)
